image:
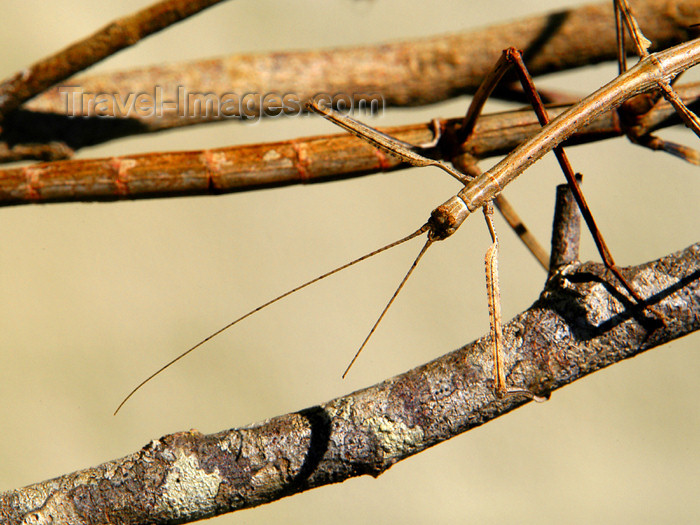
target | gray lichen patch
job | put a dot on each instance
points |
(58, 509)
(395, 437)
(232, 443)
(188, 485)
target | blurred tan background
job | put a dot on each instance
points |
(94, 297)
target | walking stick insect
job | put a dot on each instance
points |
(652, 72)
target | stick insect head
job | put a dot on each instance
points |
(446, 218)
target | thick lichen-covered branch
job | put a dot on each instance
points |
(580, 324)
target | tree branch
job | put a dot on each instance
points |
(114, 37)
(579, 325)
(408, 73)
(566, 228)
(298, 161)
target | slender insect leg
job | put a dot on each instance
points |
(642, 44)
(467, 164)
(493, 294)
(655, 143)
(636, 116)
(528, 85)
(620, 32)
(482, 94)
(633, 110)
(625, 18)
(402, 150)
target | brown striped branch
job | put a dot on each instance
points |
(298, 161)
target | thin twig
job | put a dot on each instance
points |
(518, 226)
(566, 229)
(303, 160)
(576, 327)
(115, 36)
(49, 151)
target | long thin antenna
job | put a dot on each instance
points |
(386, 308)
(413, 235)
